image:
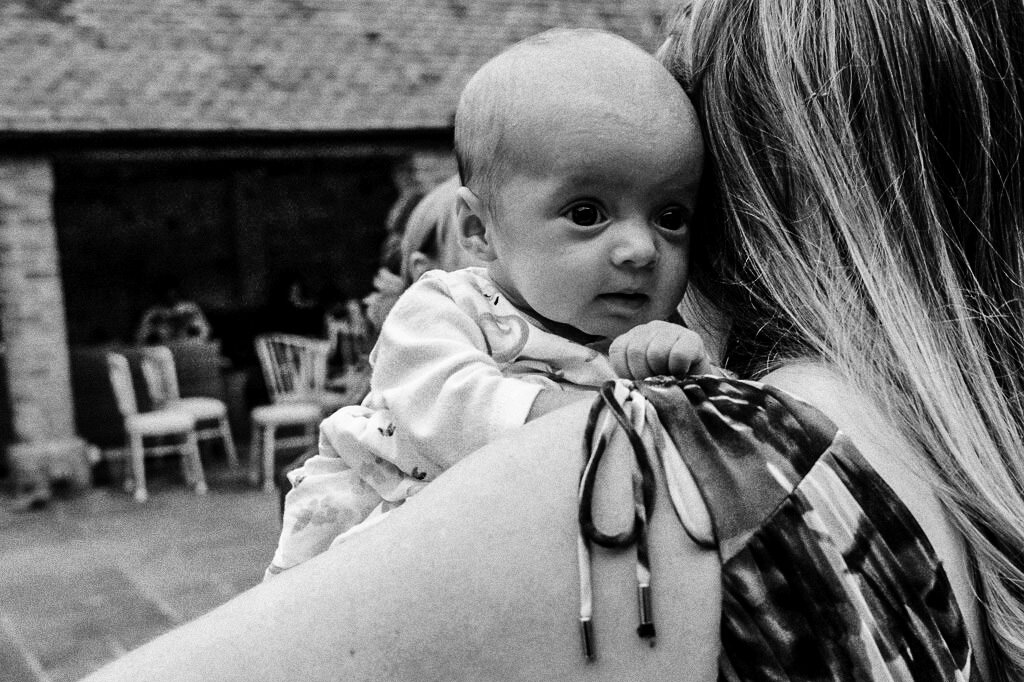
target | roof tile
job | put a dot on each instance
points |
(311, 65)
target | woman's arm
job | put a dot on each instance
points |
(475, 578)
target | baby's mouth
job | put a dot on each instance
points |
(631, 300)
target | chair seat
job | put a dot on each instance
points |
(286, 413)
(159, 422)
(199, 407)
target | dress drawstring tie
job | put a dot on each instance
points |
(621, 405)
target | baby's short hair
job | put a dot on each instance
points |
(486, 112)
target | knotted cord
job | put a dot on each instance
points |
(631, 412)
(614, 396)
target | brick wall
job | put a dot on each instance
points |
(32, 315)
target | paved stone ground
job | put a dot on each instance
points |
(94, 574)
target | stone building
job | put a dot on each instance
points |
(220, 142)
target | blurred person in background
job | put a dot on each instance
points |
(426, 239)
(388, 283)
(172, 318)
(431, 240)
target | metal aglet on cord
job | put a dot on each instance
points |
(613, 396)
(587, 632)
(646, 627)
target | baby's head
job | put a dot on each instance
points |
(580, 157)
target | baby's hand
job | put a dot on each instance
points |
(658, 348)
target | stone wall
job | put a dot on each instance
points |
(32, 316)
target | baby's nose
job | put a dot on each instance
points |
(634, 245)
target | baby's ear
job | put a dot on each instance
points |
(472, 221)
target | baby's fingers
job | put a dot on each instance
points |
(643, 351)
(659, 348)
(687, 356)
(660, 356)
(628, 355)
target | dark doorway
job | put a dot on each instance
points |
(225, 231)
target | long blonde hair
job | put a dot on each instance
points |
(865, 205)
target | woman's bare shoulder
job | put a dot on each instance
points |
(476, 577)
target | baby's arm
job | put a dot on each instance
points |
(434, 370)
(658, 348)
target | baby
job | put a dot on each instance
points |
(580, 158)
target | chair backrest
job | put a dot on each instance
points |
(161, 374)
(121, 381)
(199, 368)
(294, 367)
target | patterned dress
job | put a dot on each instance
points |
(825, 574)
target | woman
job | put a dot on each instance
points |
(899, 130)
(863, 230)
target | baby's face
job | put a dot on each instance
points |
(593, 229)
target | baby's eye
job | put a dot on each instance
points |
(673, 219)
(585, 215)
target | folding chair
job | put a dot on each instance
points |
(210, 414)
(159, 424)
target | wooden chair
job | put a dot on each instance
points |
(210, 414)
(295, 370)
(154, 424)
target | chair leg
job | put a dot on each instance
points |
(268, 458)
(138, 467)
(195, 462)
(187, 467)
(229, 443)
(124, 467)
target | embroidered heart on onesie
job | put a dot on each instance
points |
(505, 335)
